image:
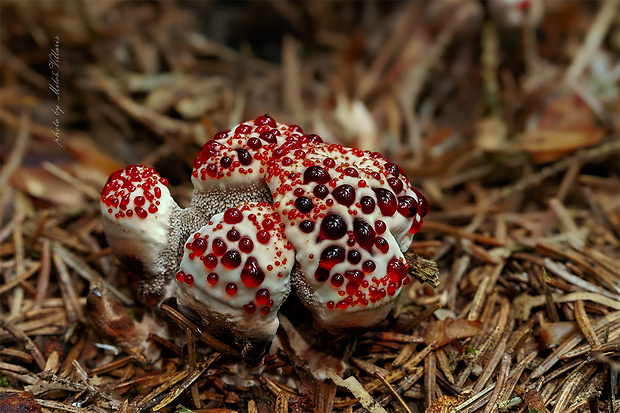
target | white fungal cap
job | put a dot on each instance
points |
(138, 212)
(231, 168)
(234, 275)
(349, 214)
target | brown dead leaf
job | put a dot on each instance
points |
(41, 184)
(547, 145)
(92, 161)
(554, 334)
(448, 330)
(566, 125)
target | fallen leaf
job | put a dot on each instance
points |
(448, 330)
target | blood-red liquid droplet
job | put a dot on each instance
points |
(392, 169)
(233, 216)
(219, 246)
(189, 279)
(386, 201)
(422, 203)
(141, 212)
(344, 194)
(249, 308)
(415, 227)
(246, 245)
(244, 156)
(152, 209)
(352, 287)
(354, 257)
(333, 227)
(331, 256)
(231, 288)
(210, 261)
(139, 200)
(337, 280)
(263, 236)
(396, 270)
(380, 226)
(225, 162)
(268, 137)
(254, 143)
(232, 259)
(396, 185)
(233, 235)
(329, 162)
(304, 204)
(364, 233)
(241, 129)
(265, 120)
(262, 296)
(354, 275)
(265, 310)
(212, 170)
(306, 226)
(320, 191)
(251, 274)
(407, 206)
(351, 172)
(391, 289)
(220, 135)
(382, 244)
(268, 224)
(199, 246)
(368, 266)
(321, 274)
(180, 276)
(316, 174)
(368, 204)
(313, 138)
(212, 278)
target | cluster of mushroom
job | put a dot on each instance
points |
(272, 207)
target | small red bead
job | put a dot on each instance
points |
(231, 288)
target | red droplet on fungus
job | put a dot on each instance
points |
(231, 288)
(265, 120)
(263, 236)
(212, 278)
(263, 296)
(233, 216)
(141, 212)
(386, 201)
(316, 174)
(232, 259)
(199, 246)
(219, 246)
(251, 274)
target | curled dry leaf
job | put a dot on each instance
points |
(41, 184)
(111, 320)
(566, 126)
(448, 330)
(554, 334)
